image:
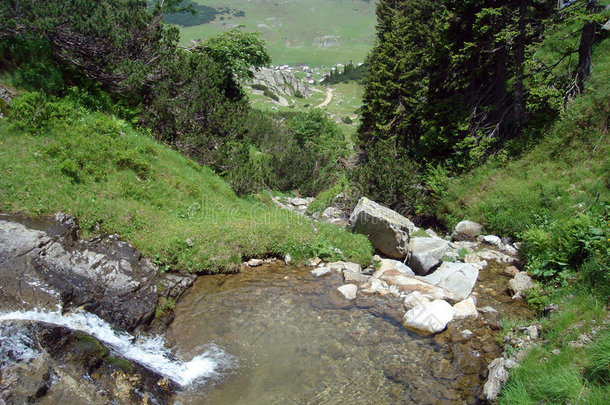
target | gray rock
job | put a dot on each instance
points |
(498, 375)
(332, 212)
(414, 299)
(466, 230)
(458, 278)
(254, 262)
(351, 277)
(174, 285)
(428, 318)
(521, 283)
(532, 332)
(321, 271)
(465, 309)
(410, 284)
(349, 291)
(426, 254)
(340, 266)
(431, 233)
(388, 231)
(280, 82)
(389, 264)
(49, 267)
(375, 286)
(492, 240)
(5, 99)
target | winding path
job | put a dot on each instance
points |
(329, 97)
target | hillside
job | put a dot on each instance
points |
(119, 180)
(316, 32)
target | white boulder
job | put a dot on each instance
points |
(428, 318)
(349, 291)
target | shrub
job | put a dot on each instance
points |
(131, 159)
(258, 86)
(70, 168)
(555, 250)
(271, 95)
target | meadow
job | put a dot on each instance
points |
(312, 32)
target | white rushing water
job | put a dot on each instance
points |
(149, 352)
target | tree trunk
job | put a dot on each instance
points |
(519, 63)
(585, 49)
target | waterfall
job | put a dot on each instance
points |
(149, 352)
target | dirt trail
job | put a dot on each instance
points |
(329, 97)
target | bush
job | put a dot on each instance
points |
(33, 110)
(271, 95)
(556, 250)
(258, 86)
(131, 159)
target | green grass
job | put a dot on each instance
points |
(119, 180)
(555, 372)
(566, 172)
(292, 29)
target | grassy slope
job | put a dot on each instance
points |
(566, 172)
(76, 167)
(561, 370)
(291, 28)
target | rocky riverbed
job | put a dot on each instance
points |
(73, 309)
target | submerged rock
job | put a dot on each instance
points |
(349, 291)
(510, 271)
(321, 271)
(388, 231)
(430, 317)
(414, 299)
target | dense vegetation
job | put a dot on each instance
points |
(190, 98)
(452, 83)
